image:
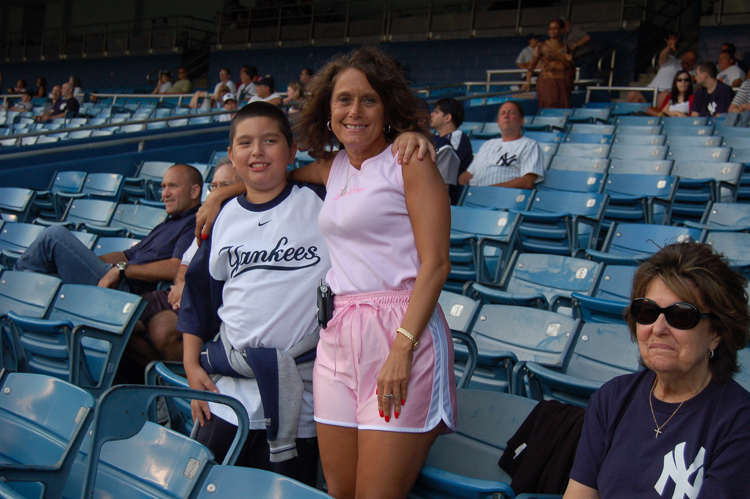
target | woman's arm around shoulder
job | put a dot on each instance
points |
(314, 173)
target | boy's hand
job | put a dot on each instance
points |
(410, 142)
(198, 379)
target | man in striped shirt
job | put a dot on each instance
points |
(511, 161)
(741, 101)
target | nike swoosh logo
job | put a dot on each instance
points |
(262, 224)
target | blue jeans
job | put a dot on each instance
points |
(57, 251)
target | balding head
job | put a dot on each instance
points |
(181, 188)
(225, 174)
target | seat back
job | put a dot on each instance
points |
(683, 121)
(638, 130)
(735, 246)
(548, 149)
(588, 138)
(638, 120)
(547, 123)
(640, 140)
(460, 311)
(592, 165)
(621, 151)
(16, 237)
(641, 166)
(16, 201)
(545, 137)
(27, 293)
(90, 211)
(714, 154)
(688, 131)
(598, 151)
(592, 129)
(67, 181)
(580, 114)
(497, 198)
(642, 240)
(103, 185)
(43, 421)
(154, 170)
(558, 112)
(694, 141)
(571, 181)
(728, 216)
(138, 219)
(106, 245)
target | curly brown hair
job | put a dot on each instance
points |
(384, 75)
(698, 275)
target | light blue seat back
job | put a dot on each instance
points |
(106, 245)
(630, 244)
(598, 151)
(571, 181)
(592, 165)
(27, 293)
(582, 115)
(16, 201)
(727, 216)
(16, 237)
(715, 154)
(640, 140)
(460, 311)
(592, 129)
(638, 130)
(694, 141)
(688, 131)
(683, 121)
(103, 185)
(545, 137)
(638, 120)
(138, 220)
(90, 211)
(640, 198)
(651, 153)
(588, 138)
(735, 246)
(640, 166)
(497, 198)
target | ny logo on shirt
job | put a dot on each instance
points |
(506, 161)
(674, 468)
(711, 108)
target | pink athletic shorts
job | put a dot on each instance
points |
(353, 349)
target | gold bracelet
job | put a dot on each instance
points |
(410, 336)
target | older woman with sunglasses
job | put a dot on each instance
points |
(681, 427)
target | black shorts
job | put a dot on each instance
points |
(156, 301)
(218, 434)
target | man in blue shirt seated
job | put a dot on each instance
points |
(137, 270)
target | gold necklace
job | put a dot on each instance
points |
(658, 428)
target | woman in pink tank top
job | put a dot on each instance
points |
(383, 380)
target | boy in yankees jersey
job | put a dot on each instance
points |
(262, 262)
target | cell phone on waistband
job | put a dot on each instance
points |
(325, 304)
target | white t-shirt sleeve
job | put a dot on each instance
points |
(187, 257)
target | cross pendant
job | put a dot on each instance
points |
(657, 432)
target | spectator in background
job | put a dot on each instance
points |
(511, 161)
(165, 83)
(77, 88)
(52, 103)
(584, 54)
(555, 83)
(68, 103)
(230, 104)
(266, 91)
(668, 67)
(446, 117)
(24, 104)
(525, 56)
(248, 75)
(293, 99)
(305, 75)
(41, 87)
(730, 47)
(680, 101)
(730, 73)
(224, 76)
(19, 88)
(183, 84)
(714, 97)
(208, 101)
(741, 101)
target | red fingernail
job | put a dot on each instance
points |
(387, 418)
(396, 414)
(381, 414)
(403, 401)
(376, 391)
(204, 236)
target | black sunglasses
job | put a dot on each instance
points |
(679, 315)
(684, 80)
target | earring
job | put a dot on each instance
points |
(387, 129)
(328, 125)
(710, 354)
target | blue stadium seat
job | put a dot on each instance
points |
(622, 108)
(702, 183)
(735, 246)
(507, 334)
(481, 244)
(131, 220)
(16, 201)
(48, 204)
(694, 141)
(82, 337)
(490, 130)
(556, 112)
(641, 166)
(595, 151)
(733, 217)
(630, 152)
(571, 181)
(592, 165)
(584, 115)
(14, 239)
(631, 244)
(476, 144)
(638, 130)
(638, 121)
(106, 245)
(545, 123)
(540, 281)
(742, 132)
(740, 155)
(43, 421)
(592, 129)
(677, 121)
(638, 198)
(561, 222)
(460, 311)
(464, 464)
(715, 154)
(87, 212)
(178, 409)
(689, 131)
(545, 137)
(601, 352)
(549, 149)
(469, 127)
(608, 299)
(736, 142)
(107, 186)
(497, 198)
(588, 138)
(149, 176)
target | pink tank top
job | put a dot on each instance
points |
(366, 226)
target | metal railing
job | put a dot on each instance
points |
(653, 90)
